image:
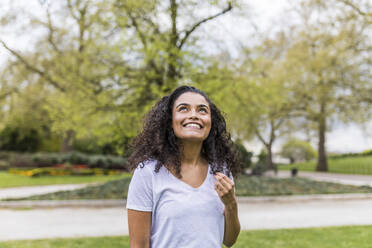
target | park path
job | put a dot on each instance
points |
(87, 222)
(19, 192)
(357, 180)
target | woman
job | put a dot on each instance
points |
(180, 195)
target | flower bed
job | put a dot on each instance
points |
(64, 170)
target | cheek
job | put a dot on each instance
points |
(176, 122)
(208, 123)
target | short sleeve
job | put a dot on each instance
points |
(140, 190)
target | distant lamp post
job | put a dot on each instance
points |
(294, 171)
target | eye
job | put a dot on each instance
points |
(203, 110)
(182, 108)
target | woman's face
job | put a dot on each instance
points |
(191, 117)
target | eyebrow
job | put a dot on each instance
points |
(186, 104)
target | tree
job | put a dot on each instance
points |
(263, 100)
(255, 92)
(297, 150)
(109, 61)
(331, 64)
(348, 9)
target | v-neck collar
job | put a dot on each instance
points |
(188, 185)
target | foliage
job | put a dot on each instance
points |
(104, 66)
(367, 153)
(245, 156)
(4, 165)
(329, 83)
(261, 165)
(28, 160)
(93, 161)
(16, 139)
(297, 150)
(21, 160)
(64, 171)
(245, 186)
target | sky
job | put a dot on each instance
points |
(232, 30)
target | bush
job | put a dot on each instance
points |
(19, 139)
(245, 156)
(367, 153)
(40, 160)
(4, 165)
(14, 159)
(261, 166)
(22, 160)
(351, 154)
(297, 150)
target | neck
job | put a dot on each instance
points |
(191, 153)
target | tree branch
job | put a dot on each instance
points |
(51, 32)
(139, 31)
(260, 137)
(196, 25)
(5, 94)
(32, 68)
(354, 7)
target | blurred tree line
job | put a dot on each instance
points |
(98, 66)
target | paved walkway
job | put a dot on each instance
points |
(37, 220)
(357, 180)
(19, 192)
(86, 222)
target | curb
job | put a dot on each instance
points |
(305, 198)
(63, 204)
(122, 203)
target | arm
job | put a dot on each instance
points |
(139, 223)
(225, 190)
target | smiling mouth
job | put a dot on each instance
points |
(193, 125)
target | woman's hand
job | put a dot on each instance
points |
(225, 189)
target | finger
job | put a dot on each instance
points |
(219, 192)
(225, 181)
(221, 187)
(224, 178)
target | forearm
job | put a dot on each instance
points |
(139, 244)
(232, 224)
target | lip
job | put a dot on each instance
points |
(200, 125)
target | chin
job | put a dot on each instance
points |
(193, 138)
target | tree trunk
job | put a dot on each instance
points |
(173, 50)
(270, 164)
(67, 140)
(322, 126)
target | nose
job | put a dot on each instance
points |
(193, 114)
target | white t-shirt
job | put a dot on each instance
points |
(182, 216)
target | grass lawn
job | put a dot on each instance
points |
(245, 186)
(330, 237)
(349, 165)
(9, 180)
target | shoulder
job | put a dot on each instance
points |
(146, 167)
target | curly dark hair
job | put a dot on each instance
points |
(158, 141)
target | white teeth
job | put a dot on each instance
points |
(192, 125)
